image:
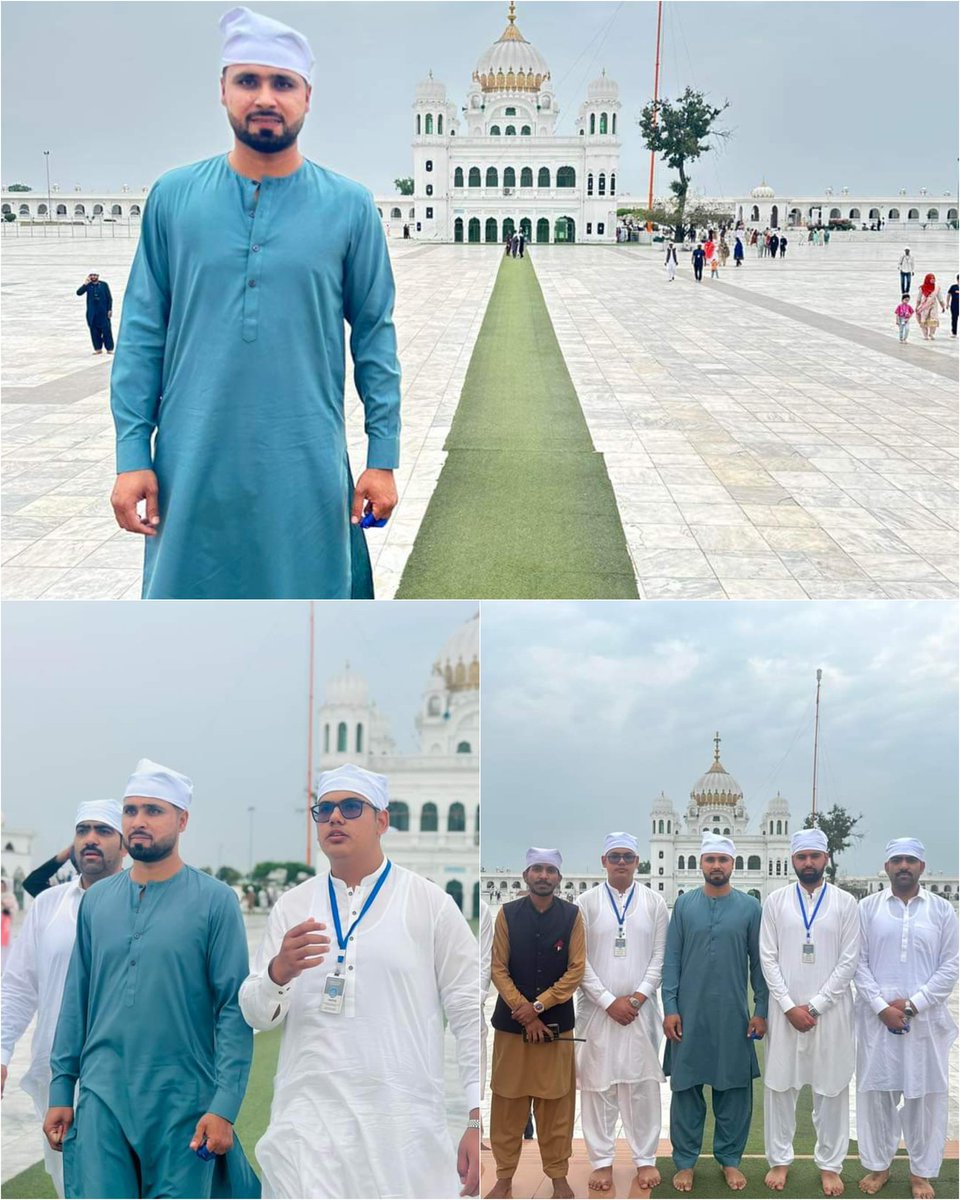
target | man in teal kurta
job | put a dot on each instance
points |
(150, 1027)
(228, 385)
(713, 943)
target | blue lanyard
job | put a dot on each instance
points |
(808, 925)
(621, 917)
(341, 940)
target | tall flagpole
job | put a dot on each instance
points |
(816, 741)
(656, 97)
(308, 859)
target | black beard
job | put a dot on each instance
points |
(810, 875)
(267, 142)
(151, 851)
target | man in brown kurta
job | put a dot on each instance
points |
(539, 953)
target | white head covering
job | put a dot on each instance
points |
(539, 854)
(350, 778)
(103, 812)
(249, 37)
(621, 841)
(808, 839)
(713, 843)
(905, 846)
(155, 782)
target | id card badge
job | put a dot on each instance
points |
(807, 956)
(333, 991)
(620, 947)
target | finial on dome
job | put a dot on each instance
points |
(716, 747)
(512, 12)
(430, 74)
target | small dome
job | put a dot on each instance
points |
(763, 192)
(511, 64)
(347, 688)
(778, 805)
(459, 660)
(663, 803)
(717, 786)
(431, 89)
(603, 88)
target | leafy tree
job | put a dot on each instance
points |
(9, 216)
(840, 828)
(644, 867)
(404, 186)
(708, 218)
(19, 187)
(293, 871)
(229, 875)
(660, 216)
(678, 130)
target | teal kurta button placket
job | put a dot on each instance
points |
(251, 294)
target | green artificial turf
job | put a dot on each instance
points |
(523, 507)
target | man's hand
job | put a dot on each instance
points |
(132, 487)
(56, 1125)
(673, 1027)
(758, 1025)
(622, 1011)
(468, 1159)
(893, 1018)
(537, 1031)
(302, 947)
(524, 1013)
(376, 492)
(800, 1018)
(900, 1003)
(217, 1131)
(3, 1080)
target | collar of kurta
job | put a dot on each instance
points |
(366, 881)
(923, 894)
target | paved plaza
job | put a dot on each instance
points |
(765, 434)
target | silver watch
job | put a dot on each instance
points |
(537, 1006)
(813, 1011)
(634, 1003)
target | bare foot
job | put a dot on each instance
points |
(775, 1178)
(736, 1180)
(98, 351)
(562, 1190)
(832, 1183)
(683, 1180)
(921, 1188)
(501, 1190)
(873, 1182)
(647, 1178)
(601, 1180)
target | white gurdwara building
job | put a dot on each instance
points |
(502, 167)
(435, 797)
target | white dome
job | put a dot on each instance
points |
(763, 192)
(459, 660)
(430, 89)
(778, 805)
(663, 803)
(603, 88)
(511, 64)
(717, 786)
(348, 688)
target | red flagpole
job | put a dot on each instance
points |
(656, 97)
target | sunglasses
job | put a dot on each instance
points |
(350, 809)
(621, 858)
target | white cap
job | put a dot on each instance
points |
(155, 782)
(808, 839)
(351, 778)
(249, 37)
(540, 854)
(905, 846)
(620, 841)
(713, 843)
(103, 812)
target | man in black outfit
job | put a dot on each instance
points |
(99, 312)
(698, 257)
(783, 245)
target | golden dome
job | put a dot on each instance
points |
(717, 788)
(511, 64)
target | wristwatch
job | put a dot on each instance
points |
(473, 1124)
(908, 1010)
(537, 1006)
(634, 1003)
(814, 1012)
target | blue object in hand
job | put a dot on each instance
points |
(754, 1037)
(204, 1151)
(369, 521)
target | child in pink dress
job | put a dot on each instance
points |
(903, 313)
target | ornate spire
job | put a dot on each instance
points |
(716, 747)
(512, 12)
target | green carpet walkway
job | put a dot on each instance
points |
(523, 508)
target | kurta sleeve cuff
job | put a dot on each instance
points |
(473, 1096)
(648, 988)
(62, 1092)
(133, 454)
(821, 1002)
(383, 454)
(919, 1000)
(786, 1002)
(225, 1104)
(5, 1056)
(606, 1000)
(878, 1004)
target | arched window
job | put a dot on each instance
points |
(593, 122)
(418, 124)
(602, 184)
(458, 177)
(543, 231)
(395, 214)
(428, 818)
(691, 863)
(492, 176)
(779, 827)
(854, 214)
(566, 177)
(771, 827)
(770, 866)
(494, 130)
(509, 177)
(613, 130)
(456, 818)
(61, 210)
(134, 210)
(474, 177)
(342, 738)
(78, 210)
(754, 863)
(738, 863)
(458, 229)
(834, 214)
(755, 213)
(526, 177)
(454, 889)
(326, 739)
(115, 210)
(786, 827)
(680, 891)
(429, 189)
(613, 182)
(680, 861)
(9, 847)
(543, 178)
(399, 815)
(951, 214)
(726, 830)
(510, 131)
(509, 112)
(893, 214)
(439, 122)
(933, 214)
(778, 866)
(874, 214)
(668, 826)
(473, 230)
(603, 122)
(463, 747)
(490, 230)
(25, 210)
(590, 184)
(428, 123)
(659, 827)
(41, 210)
(359, 745)
(525, 131)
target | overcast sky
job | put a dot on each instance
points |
(217, 691)
(821, 94)
(590, 710)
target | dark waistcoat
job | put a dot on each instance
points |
(539, 953)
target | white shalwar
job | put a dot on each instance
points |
(33, 982)
(823, 1056)
(486, 957)
(358, 1103)
(909, 952)
(618, 1066)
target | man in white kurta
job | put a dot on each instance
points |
(486, 955)
(809, 948)
(358, 1103)
(36, 972)
(618, 1064)
(908, 969)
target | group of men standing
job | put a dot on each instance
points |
(513, 244)
(730, 973)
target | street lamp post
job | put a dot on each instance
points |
(46, 159)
